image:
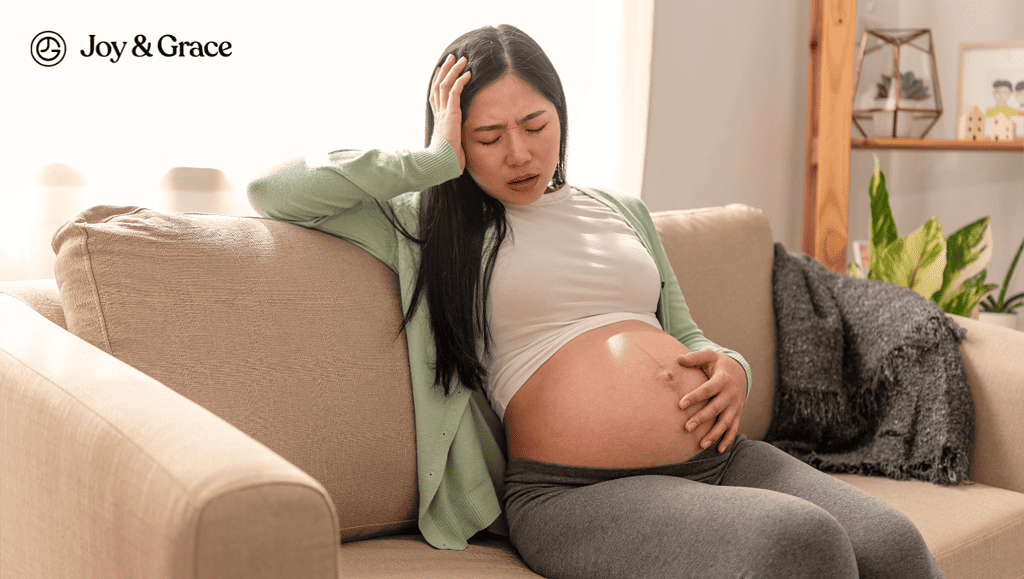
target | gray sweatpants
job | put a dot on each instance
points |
(752, 511)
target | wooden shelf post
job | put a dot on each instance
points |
(829, 116)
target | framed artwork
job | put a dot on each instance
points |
(992, 78)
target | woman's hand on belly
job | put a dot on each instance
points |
(722, 396)
(609, 398)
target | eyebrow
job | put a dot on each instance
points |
(532, 115)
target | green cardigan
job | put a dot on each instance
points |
(459, 461)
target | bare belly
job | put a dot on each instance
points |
(609, 398)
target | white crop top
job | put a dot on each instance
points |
(570, 264)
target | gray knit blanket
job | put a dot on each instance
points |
(870, 380)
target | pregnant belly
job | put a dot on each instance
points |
(609, 398)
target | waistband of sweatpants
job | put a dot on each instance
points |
(708, 467)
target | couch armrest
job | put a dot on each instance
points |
(994, 359)
(41, 295)
(107, 473)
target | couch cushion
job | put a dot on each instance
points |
(733, 246)
(973, 530)
(287, 333)
(410, 557)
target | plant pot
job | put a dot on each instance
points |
(1000, 319)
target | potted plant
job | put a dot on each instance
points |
(999, 310)
(950, 272)
(913, 90)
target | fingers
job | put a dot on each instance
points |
(446, 103)
(730, 435)
(455, 94)
(722, 391)
(718, 405)
(722, 400)
(440, 74)
(702, 359)
(445, 77)
(725, 429)
(697, 358)
(705, 391)
(435, 83)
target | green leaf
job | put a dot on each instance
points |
(961, 300)
(968, 251)
(883, 226)
(990, 304)
(1015, 300)
(916, 261)
(1009, 274)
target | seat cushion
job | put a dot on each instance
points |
(974, 531)
(410, 557)
(287, 333)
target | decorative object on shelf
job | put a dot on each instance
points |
(910, 87)
(971, 125)
(950, 272)
(861, 256)
(909, 107)
(992, 76)
(1000, 311)
(1003, 129)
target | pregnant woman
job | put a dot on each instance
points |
(559, 304)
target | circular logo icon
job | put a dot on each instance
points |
(48, 48)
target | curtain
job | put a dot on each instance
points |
(177, 106)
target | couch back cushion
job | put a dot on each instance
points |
(287, 333)
(722, 257)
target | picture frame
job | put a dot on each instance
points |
(982, 64)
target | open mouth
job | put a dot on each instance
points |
(524, 181)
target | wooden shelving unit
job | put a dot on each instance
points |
(829, 120)
(828, 143)
(937, 145)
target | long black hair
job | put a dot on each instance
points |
(455, 216)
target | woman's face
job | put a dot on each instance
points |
(511, 136)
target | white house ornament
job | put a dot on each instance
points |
(1003, 128)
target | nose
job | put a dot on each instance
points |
(518, 152)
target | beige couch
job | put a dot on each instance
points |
(207, 396)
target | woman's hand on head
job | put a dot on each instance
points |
(725, 391)
(446, 103)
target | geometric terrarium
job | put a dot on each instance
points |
(896, 84)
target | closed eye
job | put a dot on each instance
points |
(496, 139)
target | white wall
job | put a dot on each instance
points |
(728, 103)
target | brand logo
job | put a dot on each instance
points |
(48, 48)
